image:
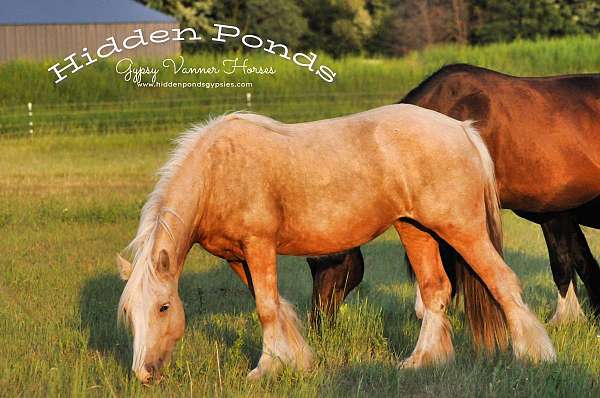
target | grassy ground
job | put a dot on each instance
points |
(67, 204)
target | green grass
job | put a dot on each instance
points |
(68, 204)
(96, 99)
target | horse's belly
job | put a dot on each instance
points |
(312, 236)
(554, 175)
(547, 194)
(315, 244)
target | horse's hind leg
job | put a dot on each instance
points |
(565, 247)
(529, 338)
(435, 341)
(282, 341)
(585, 263)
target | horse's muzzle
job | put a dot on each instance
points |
(148, 373)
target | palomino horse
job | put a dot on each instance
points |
(247, 188)
(544, 137)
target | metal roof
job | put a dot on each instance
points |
(42, 12)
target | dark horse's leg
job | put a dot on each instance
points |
(571, 250)
(334, 277)
(586, 265)
(560, 233)
(568, 251)
(242, 270)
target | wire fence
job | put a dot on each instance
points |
(170, 114)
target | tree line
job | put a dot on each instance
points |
(386, 27)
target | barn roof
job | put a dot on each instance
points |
(42, 12)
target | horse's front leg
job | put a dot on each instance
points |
(435, 341)
(282, 341)
(334, 277)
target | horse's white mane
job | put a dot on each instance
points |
(143, 276)
(263, 121)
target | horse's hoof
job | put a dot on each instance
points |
(421, 359)
(255, 374)
(530, 341)
(144, 376)
(559, 320)
(568, 309)
(419, 313)
(410, 363)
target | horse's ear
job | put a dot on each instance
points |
(125, 267)
(163, 265)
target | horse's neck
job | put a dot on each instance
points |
(178, 227)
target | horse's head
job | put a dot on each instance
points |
(151, 308)
(150, 304)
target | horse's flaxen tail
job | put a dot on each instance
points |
(487, 322)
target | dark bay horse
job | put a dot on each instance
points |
(544, 137)
(246, 188)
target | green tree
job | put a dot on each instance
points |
(278, 20)
(391, 27)
(506, 20)
(406, 25)
(337, 26)
(194, 14)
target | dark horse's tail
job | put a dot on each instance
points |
(485, 317)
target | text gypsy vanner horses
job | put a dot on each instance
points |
(544, 137)
(247, 188)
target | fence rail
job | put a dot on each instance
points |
(175, 113)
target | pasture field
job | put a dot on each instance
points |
(68, 204)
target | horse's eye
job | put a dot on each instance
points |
(164, 307)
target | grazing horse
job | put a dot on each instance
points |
(247, 187)
(544, 137)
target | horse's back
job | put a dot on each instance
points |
(308, 180)
(350, 134)
(543, 133)
(469, 92)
